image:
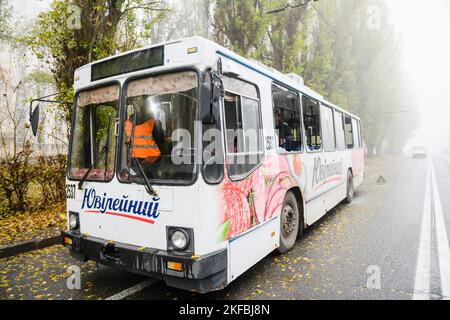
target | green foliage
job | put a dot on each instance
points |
(4, 208)
(16, 174)
(287, 33)
(39, 77)
(331, 45)
(66, 41)
(52, 178)
(275, 39)
(329, 67)
(327, 42)
(5, 15)
(21, 174)
(240, 24)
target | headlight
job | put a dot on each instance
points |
(180, 239)
(73, 221)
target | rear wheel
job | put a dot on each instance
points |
(290, 222)
(350, 188)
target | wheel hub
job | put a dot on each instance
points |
(288, 220)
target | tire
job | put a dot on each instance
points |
(289, 223)
(350, 188)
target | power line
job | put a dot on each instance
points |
(290, 6)
(305, 3)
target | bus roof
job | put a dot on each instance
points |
(221, 51)
(277, 76)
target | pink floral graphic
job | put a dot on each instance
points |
(236, 206)
(256, 199)
(297, 163)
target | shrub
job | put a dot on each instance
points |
(16, 174)
(4, 207)
(52, 178)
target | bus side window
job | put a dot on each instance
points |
(233, 116)
(311, 118)
(355, 134)
(360, 134)
(243, 129)
(349, 137)
(329, 140)
(287, 119)
(340, 131)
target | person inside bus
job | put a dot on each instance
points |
(285, 135)
(149, 137)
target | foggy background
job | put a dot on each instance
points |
(422, 28)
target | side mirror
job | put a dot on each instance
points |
(217, 94)
(212, 92)
(219, 67)
(34, 120)
(34, 114)
(205, 102)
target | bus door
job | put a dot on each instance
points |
(315, 201)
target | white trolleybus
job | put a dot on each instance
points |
(190, 164)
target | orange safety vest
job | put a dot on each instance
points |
(143, 145)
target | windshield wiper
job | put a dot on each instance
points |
(83, 180)
(148, 186)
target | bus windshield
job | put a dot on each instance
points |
(160, 113)
(93, 145)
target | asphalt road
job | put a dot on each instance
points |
(375, 248)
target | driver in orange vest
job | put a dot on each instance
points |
(148, 138)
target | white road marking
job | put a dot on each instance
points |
(442, 239)
(422, 280)
(128, 292)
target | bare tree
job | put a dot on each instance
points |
(13, 133)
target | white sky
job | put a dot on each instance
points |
(30, 8)
(425, 29)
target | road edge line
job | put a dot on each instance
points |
(442, 239)
(422, 276)
(134, 289)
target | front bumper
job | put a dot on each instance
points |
(200, 274)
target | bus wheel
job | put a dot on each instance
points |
(289, 223)
(350, 188)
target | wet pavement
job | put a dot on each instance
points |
(340, 257)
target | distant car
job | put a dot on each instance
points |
(419, 152)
